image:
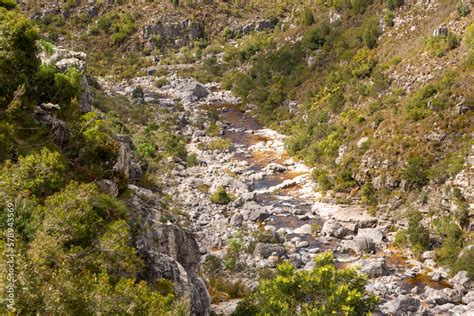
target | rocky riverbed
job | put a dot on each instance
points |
(276, 215)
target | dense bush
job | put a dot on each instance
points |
(470, 43)
(118, 26)
(464, 9)
(452, 235)
(417, 234)
(40, 173)
(415, 173)
(439, 46)
(307, 17)
(359, 6)
(323, 290)
(393, 4)
(18, 61)
(8, 4)
(464, 263)
(371, 32)
(220, 196)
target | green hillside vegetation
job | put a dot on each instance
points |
(74, 243)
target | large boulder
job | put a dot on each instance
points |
(373, 233)
(263, 250)
(190, 91)
(402, 305)
(254, 212)
(359, 245)
(335, 229)
(462, 280)
(127, 165)
(374, 268)
(305, 229)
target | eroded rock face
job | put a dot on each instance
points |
(259, 25)
(127, 164)
(168, 251)
(176, 34)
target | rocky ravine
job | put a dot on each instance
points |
(274, 197)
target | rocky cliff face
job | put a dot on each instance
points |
(169, 251)
(176, 34)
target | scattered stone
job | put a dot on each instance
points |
(302, 244)
(265, 250)
(374, 268)
(334, 228)
(362, 141)
(403, 305)
(372, 233)
(441, 31)
(428, 255)
(274, 167)
(237, 220)
(305, 229)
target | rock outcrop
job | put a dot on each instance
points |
(168, 251)
(176, 34)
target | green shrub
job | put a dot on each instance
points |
(371, 32)
(146, 150)
(322, 179)
(417, 234)
(8, 4)
(401, 239)
(315, 38)
(39, 173)
(394, 4)
(469, 37)
(464, 263)
(463, 9)
(18, 62)
(161, 82)
(220, 196)
(368, 193)
(175, 146)
(234, 248)
(212, 130)
(452, 235)
(192, 160)
(67, 85)
(344, 180)
(439, 46)
(219, 144)
(415, 173)
(323, 290)
(307, 17)
(388, 19)
(359, 6)
(221, 289)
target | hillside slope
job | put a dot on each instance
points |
(166, 155)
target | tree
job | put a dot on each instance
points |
(324, 290)
(307, 17)
(39, 173)
(371, 32)
(359, 6)
(415, 173)
(418, 235)
(394, 4)
(18, 61)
